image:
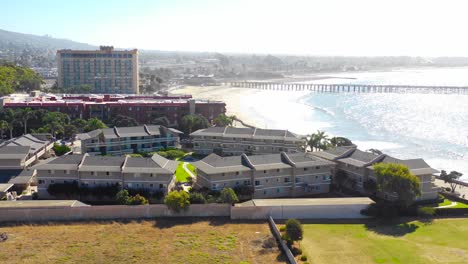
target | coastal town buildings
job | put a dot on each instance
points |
(269, 175)
(144, 109)
(228, 141)
(105, 70)
(153, 174)
(357, 166)
(126, 140)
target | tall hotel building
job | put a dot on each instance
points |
(105, 70)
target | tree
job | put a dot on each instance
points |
(193, 122)
(223, 120)
(318, 141)
(197, 198)
(61, 149)
(397, 179)
(122, 197)
(375, 151)
(228, 196)
(451, 178)
(177, 200)
(9, 116)
(124, 121)
(137, 200)
(23, 115)
(294, 230)
(340, 142)
(79, 124)
(93, 124)
(3, 128)
(69, 130)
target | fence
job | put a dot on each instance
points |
(284, 247)
(109, 212)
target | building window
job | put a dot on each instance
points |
(316, 177)
(247, 182)
(92, 173)
(278, 170)
(52, 181)
(264, 171)
(161, 186)
(318, 167)
(257, 183)
(41, 181)
(237, 173)
(287, 179)
(151, 175)
(298, 179)
(224, 174)
(305, 169)
(107, 173)
(278, 190)
(151, 185)
(237, 183)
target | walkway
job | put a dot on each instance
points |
(184, 165)
(449, 205)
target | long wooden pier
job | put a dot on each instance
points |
(351, 88)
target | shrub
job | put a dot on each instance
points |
(177, 200)
(197, 198)
(228, 196)
(296, 251)
(282, 228)
(35, 196)
(122, 197)
(61, 149)
(447, 189)
(243, 190)
(137, 200)
(303, 258)
(294, 229)
(382, 210)
(426, 211)
(67, 188)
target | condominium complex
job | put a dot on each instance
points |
(228, 141)
(357, 166)
(105, 70)
(19, 153)
(126, 140)
(144, 109)
(271, 175)
(153, 174)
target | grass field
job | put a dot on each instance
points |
(440, 241)
(448, 202)
(181, 174)
(161, 241)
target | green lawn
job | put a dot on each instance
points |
(441, 241)
(181, 174)
(448, 202)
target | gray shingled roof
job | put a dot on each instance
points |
(100, 163)
(66, 162)
(268, 161)
(14, 152)
(273, 134)
(334, 153)
(155, 164)
(137, 131)
(24, 177)
(215, 164)
(154, 129)
(360, 158)
(302, 160)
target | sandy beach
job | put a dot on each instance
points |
(264, 109)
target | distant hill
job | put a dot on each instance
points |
(13, 40)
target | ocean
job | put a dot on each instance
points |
(429, 126)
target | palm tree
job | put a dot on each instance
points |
(319, 141)
(10, 118)
(3, 128)
(189, 121)
(23, 115)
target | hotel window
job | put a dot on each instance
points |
(151, 185)
(92, 173)
(107, 173)
(265, 192)
(237, 173)
(305, 169)
(247, 182)
(237, 183)
(41, 181)
(264, 171)
(287, 179)
(151, 175)
(318, 167)
(161, 186)
(52, 181)
(278, 190)
(278, 170)
(224, 174)
(257, 183)
(298, 179)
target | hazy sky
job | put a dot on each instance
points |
(328, 27)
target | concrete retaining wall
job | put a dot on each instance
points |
(299, 212)
(282, 243)
(109, 212)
